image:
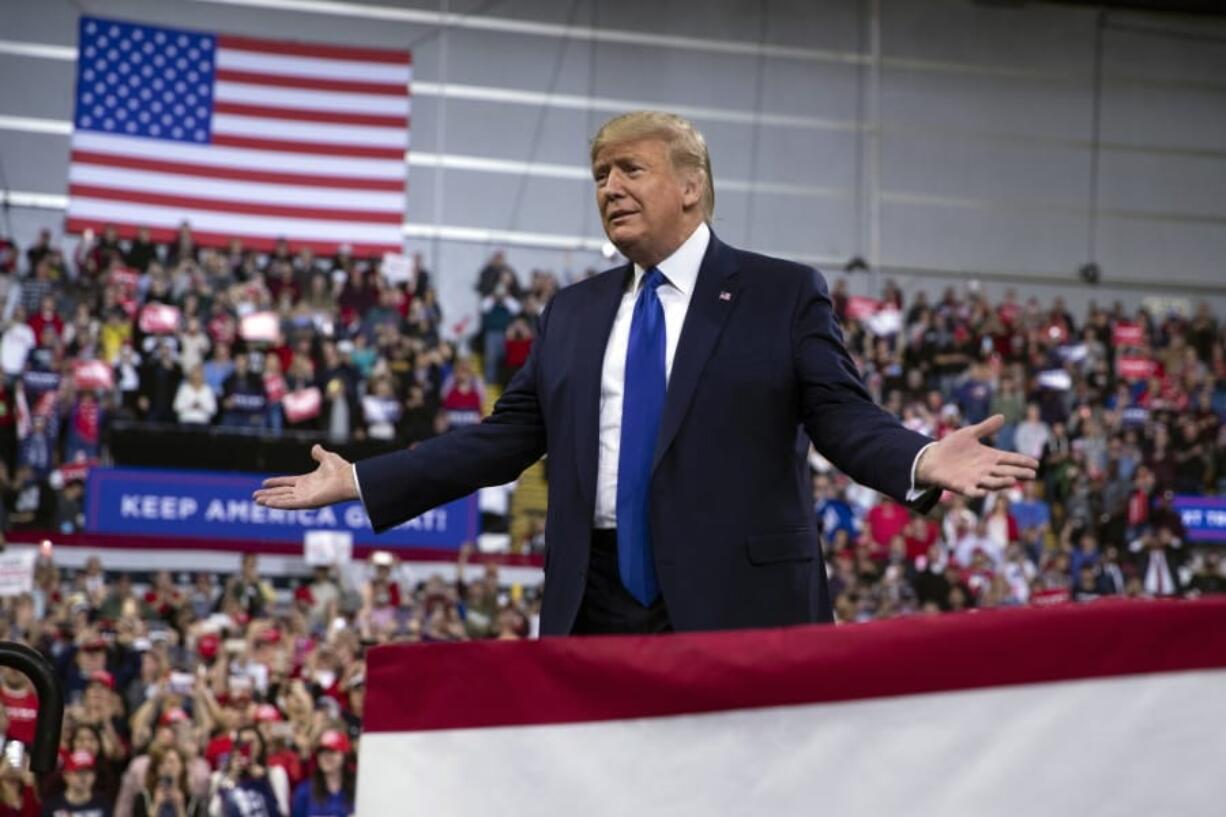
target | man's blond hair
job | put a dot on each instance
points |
(686, 147)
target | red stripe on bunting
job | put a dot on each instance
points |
(583, 679)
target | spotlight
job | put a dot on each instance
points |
(1089, 273)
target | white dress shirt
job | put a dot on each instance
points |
(681, 273)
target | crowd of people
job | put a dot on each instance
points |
(194, 695)
(255, 343)
(199, 694)
(1122, 409)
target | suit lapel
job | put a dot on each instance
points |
(714, 296)
(598, 314)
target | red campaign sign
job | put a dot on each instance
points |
(859, 306)
(159, 319)
(92, 375)
(260, 327)
(303, 404)
(274, 387)
(126, 279)
(1050, 595)
(76, 471)
(1127, 334)
(1135, 368)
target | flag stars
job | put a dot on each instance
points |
(145, 81)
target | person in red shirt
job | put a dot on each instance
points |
(919, 535)
(462, 396)
(278, 736)
(518, 345)
(46, 317)
(886, 520)
(21, 703)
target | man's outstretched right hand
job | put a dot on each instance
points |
(333, 481)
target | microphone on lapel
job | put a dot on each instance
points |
(725, 295)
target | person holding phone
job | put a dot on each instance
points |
(166, 792)
(17, 795)
(245, 789)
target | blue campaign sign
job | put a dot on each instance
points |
(1204, 517)
(205, 504)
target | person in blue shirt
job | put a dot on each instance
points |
(329, 791)
(834, 513)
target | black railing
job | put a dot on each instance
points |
(225, 448)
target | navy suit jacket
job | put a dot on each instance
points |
(760, 369)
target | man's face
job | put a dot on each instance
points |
(645, 205)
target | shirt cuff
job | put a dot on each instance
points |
(912, 495)
(357, 484)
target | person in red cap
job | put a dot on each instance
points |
(79, 798)
(329, 791)
(247, 787)
(89, 657)
(278, 737)
(100, 707)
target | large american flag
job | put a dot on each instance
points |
(240, 137)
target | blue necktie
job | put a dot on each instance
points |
(642, 407)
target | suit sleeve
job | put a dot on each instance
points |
(398, 486)
(862, 439)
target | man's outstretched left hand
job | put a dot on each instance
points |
(960, 463)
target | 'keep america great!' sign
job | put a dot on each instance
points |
(209, 505)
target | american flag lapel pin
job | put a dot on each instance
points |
(725, 295)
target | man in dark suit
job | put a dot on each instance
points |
(675, 396)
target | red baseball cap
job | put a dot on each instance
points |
(267, 713)
(270, 636)
(79, 761)
(172, 716)
(208, 645)
(101, 676)
(334, 740)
